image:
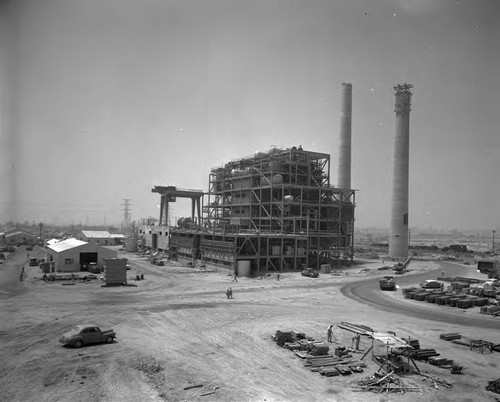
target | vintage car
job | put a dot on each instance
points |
(86, 334)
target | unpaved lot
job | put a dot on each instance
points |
(176, 329)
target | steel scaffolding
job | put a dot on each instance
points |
(273, 211)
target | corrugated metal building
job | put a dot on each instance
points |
(69, 255)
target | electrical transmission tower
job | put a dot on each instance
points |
(126, 214)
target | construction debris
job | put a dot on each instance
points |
(383, 383)
(494, 386)
(436, 380)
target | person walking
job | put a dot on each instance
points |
(235, 279)
(329, 333)
(229, 293)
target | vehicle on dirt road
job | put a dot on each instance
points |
(387, 283)
(33, 262)
(86, 334)
(310, 273)
(432, 284)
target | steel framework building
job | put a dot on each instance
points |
(273, 211)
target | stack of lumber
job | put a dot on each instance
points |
(421, 354)
(494, 386)
(331, 366)
(300, 344)
(481, 301)
(465, 303)
(383, 383)
(450, 336)
(318, 349)
(440, 361)
(414, 343)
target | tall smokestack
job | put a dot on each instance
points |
(398, 241)
(344, 166)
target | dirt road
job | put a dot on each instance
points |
(177, 329)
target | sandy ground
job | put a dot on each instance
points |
(176, 328)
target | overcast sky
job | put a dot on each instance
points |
(103, 99)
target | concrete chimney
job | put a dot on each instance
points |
(398, 241)
(344, 164)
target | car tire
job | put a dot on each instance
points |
(78, 344)
(109, 339)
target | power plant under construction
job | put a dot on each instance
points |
(277, 210)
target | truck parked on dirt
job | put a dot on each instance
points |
(86, 334)
(310, 273)
(387, 283)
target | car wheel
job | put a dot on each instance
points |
(78, 344)
(109, 339)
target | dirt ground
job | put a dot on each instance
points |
(177, 329)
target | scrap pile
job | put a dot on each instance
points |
(437, 381)
(383, 383)
(494, 386)
(492, 310)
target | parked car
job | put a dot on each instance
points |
(86, 334)
(432, 284)
(94, 268)
(33, 262)
(310, 273)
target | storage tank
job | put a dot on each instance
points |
(277, 179)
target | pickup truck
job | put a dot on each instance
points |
(310, 273)
(86, 334)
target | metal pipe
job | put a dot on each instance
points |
(344, 162)
(398, 241)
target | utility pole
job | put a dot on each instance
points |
(493, 242)
(40, 225)
(126, 214)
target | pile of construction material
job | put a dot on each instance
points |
(494, 386)
(492, 310)
(444, 298)
(477, 345)
(331, 366)
(289, 338)
(316, 354)
(383, 383)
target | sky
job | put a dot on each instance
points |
(100, 100)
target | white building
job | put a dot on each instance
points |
(69, 255)
(101, 237)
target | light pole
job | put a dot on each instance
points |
(493, 242)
